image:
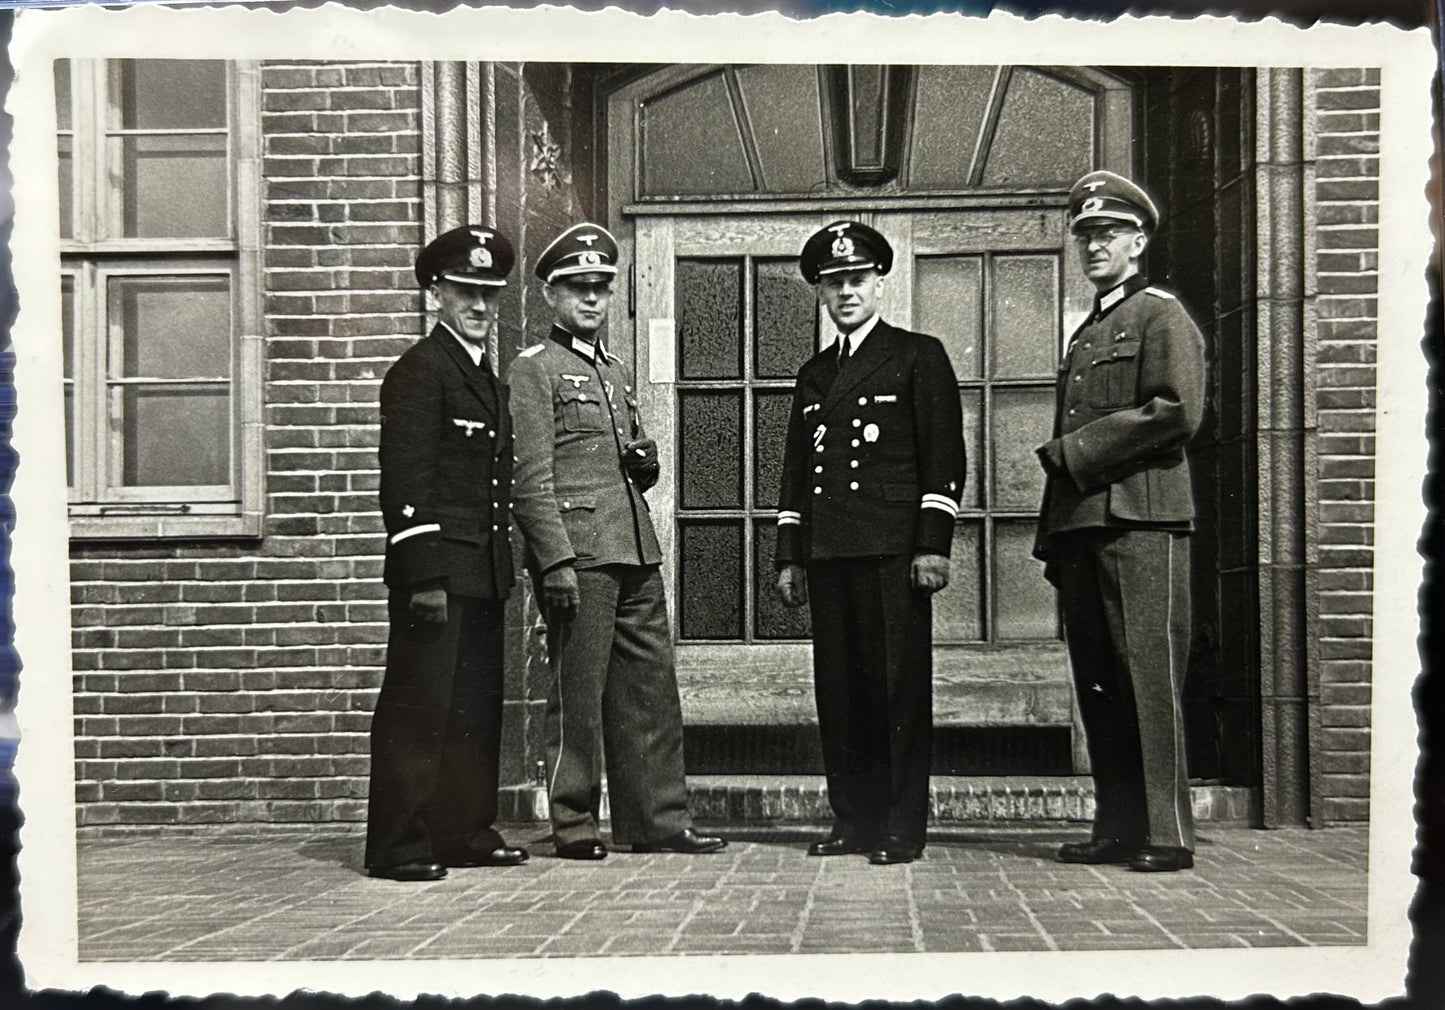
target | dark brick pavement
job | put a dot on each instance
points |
(242, 895)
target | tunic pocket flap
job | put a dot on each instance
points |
(580, 395)
(1120, 350)
(454, 527)
(580, 502)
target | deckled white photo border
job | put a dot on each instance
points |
(48, 939)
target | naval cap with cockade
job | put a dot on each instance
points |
(844, 245)
(581, 249)
(1106, 196)
(471, 254)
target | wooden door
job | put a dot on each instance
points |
(723, 320)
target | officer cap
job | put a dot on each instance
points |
(1106, 196)
(471, 254)
(582, 249)
(844, 245)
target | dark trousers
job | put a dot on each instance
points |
(1125, 599)
(436, 736)
(614, 699)
(873, 680)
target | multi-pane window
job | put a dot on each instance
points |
(745, 325)
(998, 317)
(157, 225)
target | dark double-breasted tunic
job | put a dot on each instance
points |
(614, 689)
(446, 474)
(1112, 534)
(873, 473)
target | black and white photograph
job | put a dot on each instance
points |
(535, 502)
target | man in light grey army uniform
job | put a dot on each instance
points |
(583, 463)
(1113, 530)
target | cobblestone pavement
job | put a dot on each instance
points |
(291, 894)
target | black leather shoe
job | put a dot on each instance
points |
(584, 848)
(839, 845)
(894, 850)
(502, 855)
(687, 840)
(1097, 850)
(1159, 859)
(409, 871)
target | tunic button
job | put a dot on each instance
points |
(818, 449)
(855, 443)
(494, 482)
(1072, 411)
(857, 423)
(853, 486)
(494, 527)
(582, 398)
(817, 469)
(619, 431)
(853, 463)
(1087, 345)
(862, 401)
(566, 504)
(817, 490)
(1078, 378)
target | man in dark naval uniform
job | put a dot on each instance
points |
(446, 474)
(583, 463)
(873, 473)
(1114, 527)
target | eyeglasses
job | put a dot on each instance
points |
(1101, 236)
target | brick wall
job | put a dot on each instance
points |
(235, 681)
(1347, 144)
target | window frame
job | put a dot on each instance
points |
(99, 506)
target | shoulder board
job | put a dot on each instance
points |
(1160, 293)
(534, 349)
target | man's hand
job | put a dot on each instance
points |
(640, 458)
(1051, 458)
(560, 594)
(792, 586)
(430, 605)
(930, 572)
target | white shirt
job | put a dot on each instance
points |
(856, 338)
(474, 351)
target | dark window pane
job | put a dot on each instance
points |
(172, 328)
(867, 103)
(787, 319)
(175, 436)
(773, 620)
(770, 432)
(1045, 133)
(62, 94)
(949, 109)
(691, 144)
(67, 325)
(709, 300)
(972, 401)
(958, 609)
(175, 187)
(947, 303)
(70, 434)
(1022, 420)
(67, 186)
(172, 94)
(785, 114)
(711, 425)
(1026, 316)
(712, 579)
(1026, 607)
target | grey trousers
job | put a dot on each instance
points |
(1125, 599)
(614, 693)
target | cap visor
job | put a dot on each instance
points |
(843, 268)
(1107, 215)
(481, 281)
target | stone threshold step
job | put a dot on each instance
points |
(799, 799)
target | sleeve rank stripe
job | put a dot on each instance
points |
(941, 502)
(417, 531)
